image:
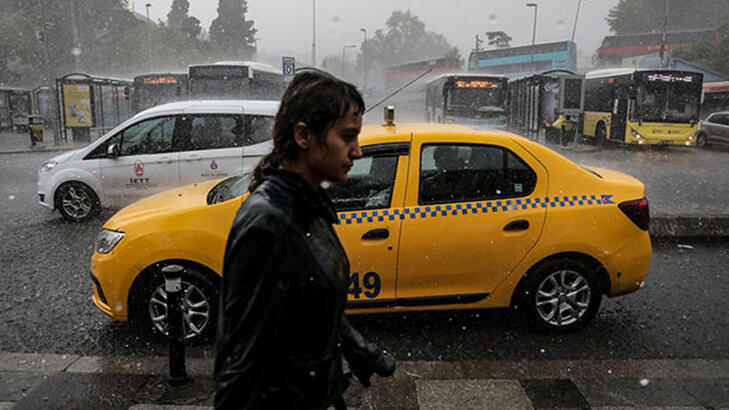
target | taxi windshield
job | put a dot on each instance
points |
(228, 189)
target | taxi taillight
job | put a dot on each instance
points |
(637, 211)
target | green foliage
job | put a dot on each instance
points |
(642, 16)
(178, 19)
(499, 39)
(707, 54)
(230, 32)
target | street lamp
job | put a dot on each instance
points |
(574, 29)
(149, 37)
(313, 33)
(364, 60)
(534, 33)
(344, 48)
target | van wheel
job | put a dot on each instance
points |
(199, 300)
(601, 135)
(562, 294)
(76, 201)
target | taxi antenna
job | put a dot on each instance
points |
(399, 89)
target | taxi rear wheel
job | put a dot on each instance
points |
(199, 305)
(562, 294)
(76, 201)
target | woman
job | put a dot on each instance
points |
(282, 329)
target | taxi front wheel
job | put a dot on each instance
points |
(562, 294)
(76, 201)
(199, 304)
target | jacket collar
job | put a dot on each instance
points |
(315, 202)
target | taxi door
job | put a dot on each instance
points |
(369, 224)
(472, 212)
(146, 161)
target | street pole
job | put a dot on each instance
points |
(534, 33)
(577, 15)
(343, 62)
(662, 54)
(149, 37)
(313, 33)
(364, 61)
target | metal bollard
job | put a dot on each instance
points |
(175, 325)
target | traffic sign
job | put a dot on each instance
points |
(289, 66)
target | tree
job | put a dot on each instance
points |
(642, 16)
(404, 39)
(708, 54)
(231, 33)
(499, 39)
(178, 19)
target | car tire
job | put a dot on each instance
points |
(200, 304)
(601, 135)
(76, 201)
(701, 140)
(562, 294)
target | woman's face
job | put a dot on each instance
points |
(332, 159)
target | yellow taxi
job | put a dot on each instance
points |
(432, 217)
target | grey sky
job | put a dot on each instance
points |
(284, 26)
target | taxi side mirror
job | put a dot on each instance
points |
(113, 150)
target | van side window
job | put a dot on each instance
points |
(211, 131)
(151, 136)
(260, 129)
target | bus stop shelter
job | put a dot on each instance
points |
(90, 106)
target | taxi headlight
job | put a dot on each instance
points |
(48, 166)
(107, 240)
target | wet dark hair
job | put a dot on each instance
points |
(316, 98)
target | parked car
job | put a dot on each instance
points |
(432, 217)
(161, 148)
(714, 130)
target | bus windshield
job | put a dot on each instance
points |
(667, 102)
(220, 87)
(475, 101)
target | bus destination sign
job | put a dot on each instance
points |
(670, 78)
(476, 84)
(160, 80)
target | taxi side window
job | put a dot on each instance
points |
(151, 136)
(463, 173)
(369, 184)
(210, 131)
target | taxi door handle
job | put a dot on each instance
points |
(518, 225)
(193, 157)
(377, 234)
(165, 159)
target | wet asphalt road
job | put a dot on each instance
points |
(45, 301)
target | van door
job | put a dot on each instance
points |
(146, 164)
(212, 147)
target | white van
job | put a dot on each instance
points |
(164, 147)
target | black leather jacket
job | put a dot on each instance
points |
(281, 327)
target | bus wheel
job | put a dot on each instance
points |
(701, 140)
(601, 135)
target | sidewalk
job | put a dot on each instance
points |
(32, 381)
(13, 143)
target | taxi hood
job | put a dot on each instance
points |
(164, 203)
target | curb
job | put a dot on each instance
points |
(700, 226)
(50, 148)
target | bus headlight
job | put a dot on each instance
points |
(636, 134)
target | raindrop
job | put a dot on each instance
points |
(541, 350)
(464, 327)
(11, 197)
(610, 372)
(76, 51)
(644, 382)
(493, 19)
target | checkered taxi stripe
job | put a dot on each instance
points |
(506, 205)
